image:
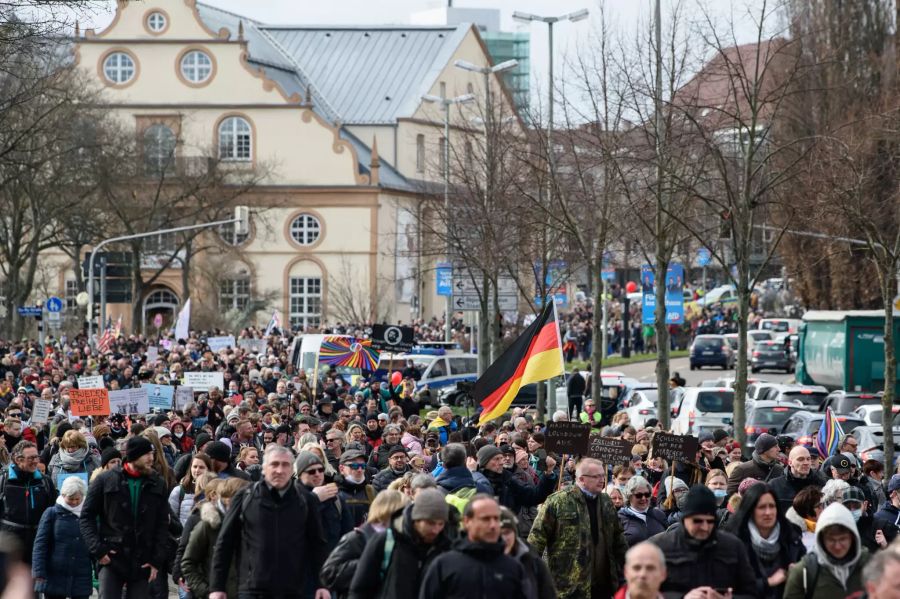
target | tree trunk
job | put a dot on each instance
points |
(890, 363)
(186, 273)
(740, 372)
(662, 338)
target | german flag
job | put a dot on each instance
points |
(535, 356)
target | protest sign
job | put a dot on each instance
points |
(90, 382)
(217, 344)
(609, 450)
(152, 354)
(129, 401)
(160, 396)
(89, 402)
(41, 412)
(202, 381)
(167, 344)
(183, 395)
(674, 448)
(568, 437)
(254, 346)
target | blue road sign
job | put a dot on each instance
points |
(30, 310)
(444, 273)
(54, 304)
(703, 256)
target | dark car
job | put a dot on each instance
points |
(771, 355)
(768, 417)
(803, 426)
(844, 402)
(711, 350)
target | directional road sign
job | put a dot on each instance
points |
(463, 285)
(30, 310)
(471, 303)
(703, 257)
(54, 304)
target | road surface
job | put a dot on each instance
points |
(646, 372)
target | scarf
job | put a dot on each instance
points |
(630, 510)
(766, 549)
(810, 525)
(74, 459)
(76, 511)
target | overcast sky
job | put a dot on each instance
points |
(626, 16)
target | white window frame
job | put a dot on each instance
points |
(70, 295)
(192, 68)
(229, 236)
(305, 302)
(420, 153)
(235, 140)
(306, 229)
(157, 158)
(119, 73)
(234, 294)
(156, 22)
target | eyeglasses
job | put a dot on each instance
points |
(30, 458)
(314, 471)
(356, 466)
(15, 414)
(641, 495)
(704, 521)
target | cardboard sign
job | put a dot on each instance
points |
(393, 338)
(568, 437)
(183, 395)
(160, 397)
(254, 346)
(202, 381)
(152, 354)
(89, 402)
(674, 448)
(41, 412)
(129, 401)
(609, 450)
(217, 344)
(91, 382)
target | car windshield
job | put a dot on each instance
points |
(807, 398)
(849, 404)
(732, 341)
(759, 335)
(776, 415)
(847, 424)
(707, 343)
(769, 346)
(715, 401)
(650, 394)
(779, 326)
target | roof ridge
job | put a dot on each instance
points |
(349, 27)
(230, 13)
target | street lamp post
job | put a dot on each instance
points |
(446, 103)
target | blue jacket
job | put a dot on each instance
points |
(461, 477)
(61, 556)
(887, 519)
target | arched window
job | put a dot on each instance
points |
(159, 149)
(118, 68)
(235, 139)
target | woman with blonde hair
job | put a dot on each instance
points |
(160, 465)
(330, 472)
(337, 573)
(73, 459)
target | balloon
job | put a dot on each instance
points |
(396, 377)
(631, 287)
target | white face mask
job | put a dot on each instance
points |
(857, 514)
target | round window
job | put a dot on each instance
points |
(196, 66)
(305, 229)
(118, 68)
(156, 22)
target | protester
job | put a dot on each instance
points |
(538, 580)
(887, 519)
(61, 564)
(73, 459)
(639, 519)
(181, 499)
(26, 494)
(763, 465)
(881, 575)
(645, 571)
(336, 517)
(796, 477)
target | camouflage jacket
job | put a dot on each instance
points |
(562, 533)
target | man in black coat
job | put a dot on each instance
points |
(25, 494)
(125, 523)
(575, 388)
(798, 476)
(700, 560)
(477, 565)
(273, 530)
(887, 519)
(509, 491)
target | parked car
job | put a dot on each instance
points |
(873, 414)
(803, 426)
(846, 402)
(771, 355)
(780, 325)
(768, 417)
(642, 404)
(703, 409)
(811, 396)
(871, 438)
(711, 350)
(756, 390)
(753, 337)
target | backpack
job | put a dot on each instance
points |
(459, 498)
(810, 575)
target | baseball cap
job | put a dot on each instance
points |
(840, 463)
(853, 494)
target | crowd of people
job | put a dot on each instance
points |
(279, 486)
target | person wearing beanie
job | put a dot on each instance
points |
(702, 561)
(390, 438)
(418, 536)
(580, 520)
(220, 455)
(509, 490)
(110, 458)
(337, 519)
(125, 522)
(763, 464)
(887, 519)
(398, 465)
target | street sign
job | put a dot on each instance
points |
(54, 319)
(608, 273)
(444, 278)
(392, 338)
(54, 305)
(472, 303)
(33, 311)
(463, 284)
(703, 257)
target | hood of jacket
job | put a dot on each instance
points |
(794, 518)
(210, 514)
(402, 525)
(837, 515)
(454, 478)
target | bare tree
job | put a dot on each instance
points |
(351, 300)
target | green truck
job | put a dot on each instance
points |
(844, 350)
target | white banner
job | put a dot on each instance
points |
(183, 324)
(152, 354)
(41, 412)
(202, 381)
(216, 344)
(90, 382)
(183, 395)
(129, 401)
(255, 346)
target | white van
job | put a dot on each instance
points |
(703, 409)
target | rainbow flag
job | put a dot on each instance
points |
(829, 436)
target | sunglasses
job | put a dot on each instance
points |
(356, 466)
(641, 495)
(314, 471)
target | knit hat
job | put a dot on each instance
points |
(719, 435)
(486, 454)
(678, 484)
(430, 505)
(705, 436)
(765, 442)
(396, 449)
(304, 460)
(216, 450)
(137, 447)
(202, 439)
(746, 484)
(700, 500)
(521, 454)
(162, 431)
(894, 483)
(109, 454)
(508, 519)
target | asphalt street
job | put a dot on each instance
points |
(646, 372)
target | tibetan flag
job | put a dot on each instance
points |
(535, 356)
(829, 436)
